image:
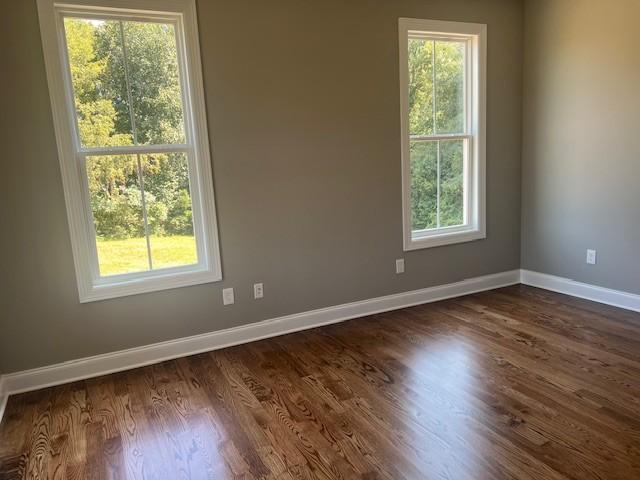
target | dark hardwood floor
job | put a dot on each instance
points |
(516, 383)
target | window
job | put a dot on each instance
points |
(128, 105)
(442, 83)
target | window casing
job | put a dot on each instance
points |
(141, 156)
(442, 93)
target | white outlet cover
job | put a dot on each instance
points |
(228, 298)
(591, 257)
(258, 290)
(400, 265)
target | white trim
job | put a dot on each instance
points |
(616, 298)
(444, 136)
(133, 149)
(475, 35)
(173, 278)
(4, 396)
(182, 13)
(444, 237)
(136, 357)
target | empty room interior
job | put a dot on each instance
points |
(320, 239)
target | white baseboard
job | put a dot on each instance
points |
(136, 357)
(617, 298)
(3, 397)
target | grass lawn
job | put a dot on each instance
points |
(130, 255)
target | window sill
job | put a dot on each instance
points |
(147, 284)
(442, 239)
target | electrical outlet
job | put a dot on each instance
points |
(591, 257)
(400, 265)
(258, 290)
(228, 297)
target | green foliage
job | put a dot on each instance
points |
(153, 75)
(436, 109)
(424, 188)
(118, 215)
(105, 108)
(451, 185)
(116, 196)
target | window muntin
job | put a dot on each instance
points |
(127, 97)
(443, 146)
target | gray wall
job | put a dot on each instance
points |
(581, 155)
(302, 101)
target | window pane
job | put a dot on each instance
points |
(97, 74)
(420, 87)
(116, 203)
(437, 184)
(152, 66)
(449, 86)
(424, 185)
(126, 82)
(169, 210)
(451, 183)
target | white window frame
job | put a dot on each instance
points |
(182, 14)
(475, 37)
